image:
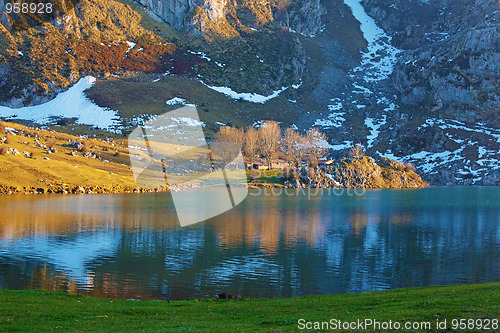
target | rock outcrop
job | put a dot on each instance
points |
(171, 11)
(361, 172)
(226, 18)
(366, 173)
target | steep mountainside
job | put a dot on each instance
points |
(38, 59)
(414, 80)
(448, 75)
(229, 18)
(452, 54)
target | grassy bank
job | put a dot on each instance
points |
(49, 311)
(29, 167)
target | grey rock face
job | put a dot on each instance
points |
(304, 17)
(452, 56)
(172, 11)
(177, 12)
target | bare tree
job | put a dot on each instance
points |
(313, 161)
(317, 143)
(293, 146)
(227, 143)
(231, 134)
(269, 139)
(251, 144)
(356, 151)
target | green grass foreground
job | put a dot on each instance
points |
(37, 310)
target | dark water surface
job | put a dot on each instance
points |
(131, 246)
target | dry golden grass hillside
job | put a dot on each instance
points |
(28, 166)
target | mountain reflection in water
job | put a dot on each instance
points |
(131, 246)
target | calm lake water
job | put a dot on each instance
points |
(131, 246)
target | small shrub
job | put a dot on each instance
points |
(32, 155)
(286, 172)
(280, 155)
(116, 154)
(83, 148)
(3, 150)
(294, 174)
(2, 128)
(51, 143)
(86, 146)
(357, 151)
(8, 139)
(399, 166)
(384, 162)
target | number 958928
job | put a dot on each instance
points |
(29, 8)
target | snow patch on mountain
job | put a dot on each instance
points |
(368, 80)
(341, 146)
(458, 125)
(69, 104)
(334, 120)
(249, 97)
(380, 58)
(374, 129)
(203, 55)
(131, 45)
(470, 162)
(176, 100)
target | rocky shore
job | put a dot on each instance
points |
(65, 189)
(348, 173)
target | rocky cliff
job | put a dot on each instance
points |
(227, 18)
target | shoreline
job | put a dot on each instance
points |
(44, 310)
(92, 189)
(6, 190)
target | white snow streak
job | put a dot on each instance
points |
(249, 97)
(69, 104)
(378, 62)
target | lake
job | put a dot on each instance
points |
(272, 245)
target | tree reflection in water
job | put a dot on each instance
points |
(131, 246)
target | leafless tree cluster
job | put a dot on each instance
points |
(228, 142)
(356, 151)
(269, 142)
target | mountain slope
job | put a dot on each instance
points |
(412, 80)
(40, 60)
(447, 83)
